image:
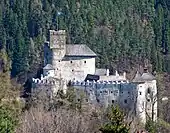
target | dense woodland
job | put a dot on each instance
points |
(117, 30)
(125, 32)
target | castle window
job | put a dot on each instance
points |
(100, 91)
(128, 92)
(125, 101)
(113, 101)
(111, 91)
(148, 100)
(78, 100)
(149, 90)
(84, 62)
(73, 70)
(87, 100)
(98, 100)
(140, 93)
(59, 61)
(71, 61)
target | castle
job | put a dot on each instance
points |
(72, 63)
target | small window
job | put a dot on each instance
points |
(149, 90)
(113, 101)
(78, 100)
(87, 100)
(59, 61)
(148, 100)
(140, 93)
(84, 62)
(111, 91)
(71, 61)
(98, 100)
(100, 91)
(125, 101)
(73, 70)
(128, 92)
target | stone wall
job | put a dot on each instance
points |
(76, 68)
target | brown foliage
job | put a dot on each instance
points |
(44, 117)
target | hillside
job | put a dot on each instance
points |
(118, 31)
(125, 34)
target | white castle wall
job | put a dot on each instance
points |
(75, 68)
(131, 97)
(147, 100)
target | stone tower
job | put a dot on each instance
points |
(147, 96)
(58, 47)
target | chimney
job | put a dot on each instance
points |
(116, 73)
(42, 77)
(107, 72)
(124, 75)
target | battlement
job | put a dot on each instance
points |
(44, 82)
(90, 83)
(59, 32)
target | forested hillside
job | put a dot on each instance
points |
(117, 30)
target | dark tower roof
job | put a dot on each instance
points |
(137, 78)
(146, 76)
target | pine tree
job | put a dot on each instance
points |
(116, 122)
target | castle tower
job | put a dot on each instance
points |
(58, 47)
(146, 96)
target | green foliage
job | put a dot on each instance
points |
(10, 108)
(8, 119)
(151, 126)
(115, 30)
(116, 122)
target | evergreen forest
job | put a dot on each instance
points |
(117, 30)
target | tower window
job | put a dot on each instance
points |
(71, 61)
(140, 93)
(98, 100)
(73, 70)
(113, 101)
(125, 101)
(59, 61)
(85, 62)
